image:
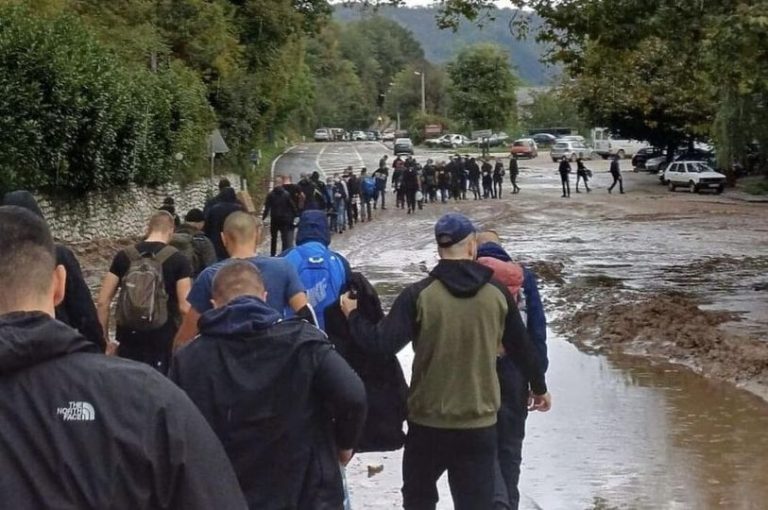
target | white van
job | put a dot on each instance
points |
(605, 145)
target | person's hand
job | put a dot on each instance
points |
(111, 348)
(345, 456)
(348, 305)
(541, 403)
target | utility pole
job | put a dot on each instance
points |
(423, 91)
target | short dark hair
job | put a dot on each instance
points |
(194, 216)
(237, 278)
(224, 183)
(27, 256)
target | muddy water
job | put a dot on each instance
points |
(625, 432)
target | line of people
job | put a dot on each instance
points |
(290, 364)
(349, 199)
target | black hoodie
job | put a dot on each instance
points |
(458, 320)
(281, 400)
(217, 215)
(81, 430)
(77, 309)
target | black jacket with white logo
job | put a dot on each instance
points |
(81, 430)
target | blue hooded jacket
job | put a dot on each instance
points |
(323, 272)
(537, 321)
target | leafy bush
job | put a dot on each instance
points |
(74, 118)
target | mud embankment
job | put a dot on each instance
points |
(601, 315)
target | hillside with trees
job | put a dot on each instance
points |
(442, 46)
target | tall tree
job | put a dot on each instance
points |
(482, 88)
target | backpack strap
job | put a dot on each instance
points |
(164, 254)
(133, 253)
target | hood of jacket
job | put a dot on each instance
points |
(243, 316)
(493, 250)
(31, 338)
(186, 228)
(23, 199)
(507, 273)
(462, 278)
(313, 226)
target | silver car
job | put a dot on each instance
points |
(571, 150)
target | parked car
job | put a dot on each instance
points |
(570, 150)
(359, 136)
(524, 147)
(645, 154)
(437, 142)
(495, 140)
(453, 141)
(338, 134)
(696, 176)
(388, 136)
(544, 139)
(572, 138)
(322, 135)
(403, 146)
(606, 145)
(656, 164)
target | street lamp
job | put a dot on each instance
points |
(423, 92)
(397, 107)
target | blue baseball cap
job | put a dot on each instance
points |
(452, 228)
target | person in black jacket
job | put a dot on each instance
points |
(282, 212)
(203, 254)
(223, 184)
(616, 174)
(217, 215)
(77, 309)
(565, 170)
(84, 430)
(283, 402)
(514, 172)
(581, 174)
(474, 178)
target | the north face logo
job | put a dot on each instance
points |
(77, 411)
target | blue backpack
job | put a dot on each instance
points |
(323, 273)
(369, 186)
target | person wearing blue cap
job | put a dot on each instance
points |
(459, 319)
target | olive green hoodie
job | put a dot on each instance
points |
(458, 318)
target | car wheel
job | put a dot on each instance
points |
(554, 160)
(720, 189)
(692, 187)
(621, 154)
(671, 186)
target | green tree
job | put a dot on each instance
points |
(552, 109)
(404, 95)
(482, 88)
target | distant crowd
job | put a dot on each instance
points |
(234, 380)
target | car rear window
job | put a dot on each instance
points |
(561, 145)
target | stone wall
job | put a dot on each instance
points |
(121, 213)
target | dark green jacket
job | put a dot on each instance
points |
(458, 319)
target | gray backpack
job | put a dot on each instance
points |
(143, 301)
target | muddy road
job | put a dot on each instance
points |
(633, 280)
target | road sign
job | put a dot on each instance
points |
(481, 133)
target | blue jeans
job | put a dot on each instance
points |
(341, 215)
(510, 429)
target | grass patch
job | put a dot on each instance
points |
(756, 186)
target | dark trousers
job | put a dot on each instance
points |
(153, 348)
(468, 455)
(285, 231)
(566, 185)
(410, 198)
(617, 179)
(474, 185)
(497, 189)
(582, 176)
(513, 179)
(380, 193)
(510, 428)
(400, 200)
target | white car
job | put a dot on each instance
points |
(359, 136)
(438, 142)
(571, 138)
(571, 150)
(696, 176)
(606, 145)
(453, 141)
(388, 136)
(322, 135)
